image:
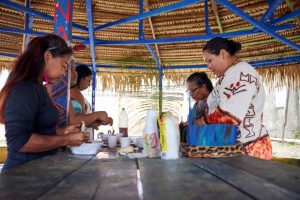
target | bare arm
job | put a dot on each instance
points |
(40, 143)
(88, 119)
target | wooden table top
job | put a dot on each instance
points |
(65, 176)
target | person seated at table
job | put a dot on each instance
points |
(238, 97)
(81, 77)
(94, 119)
(199, 87)
(29, 115)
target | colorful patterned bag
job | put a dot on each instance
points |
(210, 141)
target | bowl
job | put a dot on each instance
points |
(86, 149)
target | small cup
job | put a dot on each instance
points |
(112, 141)
(119, 136)
(125, 141)
(104, 137)
(139, 142)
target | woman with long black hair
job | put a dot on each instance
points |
(27, 111)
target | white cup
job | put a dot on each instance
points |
(125, 141)
(139, 142)
(119, 136)
(112, 141)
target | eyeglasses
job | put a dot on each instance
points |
(193, 90)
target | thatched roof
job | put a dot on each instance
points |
(187, 21)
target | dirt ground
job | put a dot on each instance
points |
(286, 150)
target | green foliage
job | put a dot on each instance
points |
(137, 107)
(296, 133)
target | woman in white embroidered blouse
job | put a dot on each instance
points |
(238, 97)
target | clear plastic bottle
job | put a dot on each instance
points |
(123, 123)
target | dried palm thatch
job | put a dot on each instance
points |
(286, 75)
(279, 76)
(187, 21)
(121, 80)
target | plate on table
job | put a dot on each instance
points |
(86, 148)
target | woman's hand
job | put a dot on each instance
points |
(107, 121)
(68, 129)
(72, 128)
(101, 115)
(200, 122)
(183, 123)
(77, 138)
(104, 119)
(110, 121)
(95, 125)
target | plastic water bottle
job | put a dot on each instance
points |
(123, 123)
(150, 135)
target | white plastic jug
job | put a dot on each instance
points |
(123, 123)
(169, 136)
(150, 135)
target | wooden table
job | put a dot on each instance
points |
(65, 176)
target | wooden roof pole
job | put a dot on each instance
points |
(146, 4)
(28, 26)
(215, 11)
(24, 35)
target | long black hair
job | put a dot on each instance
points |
(30, 65)
(215, 45)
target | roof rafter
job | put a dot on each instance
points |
(157, 11)
(152, 29)
(35, 13)
(214, 7)
(264, 27)
(188, 38)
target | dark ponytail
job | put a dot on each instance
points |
(215, 45)
(82, 72)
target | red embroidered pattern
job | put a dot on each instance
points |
(221, 117)
(234, 89)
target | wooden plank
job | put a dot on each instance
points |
(180, 179)
(33, 179)
(285, 176)
(254, 186)
(120, 182)
(98, 179)
(107, 154)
